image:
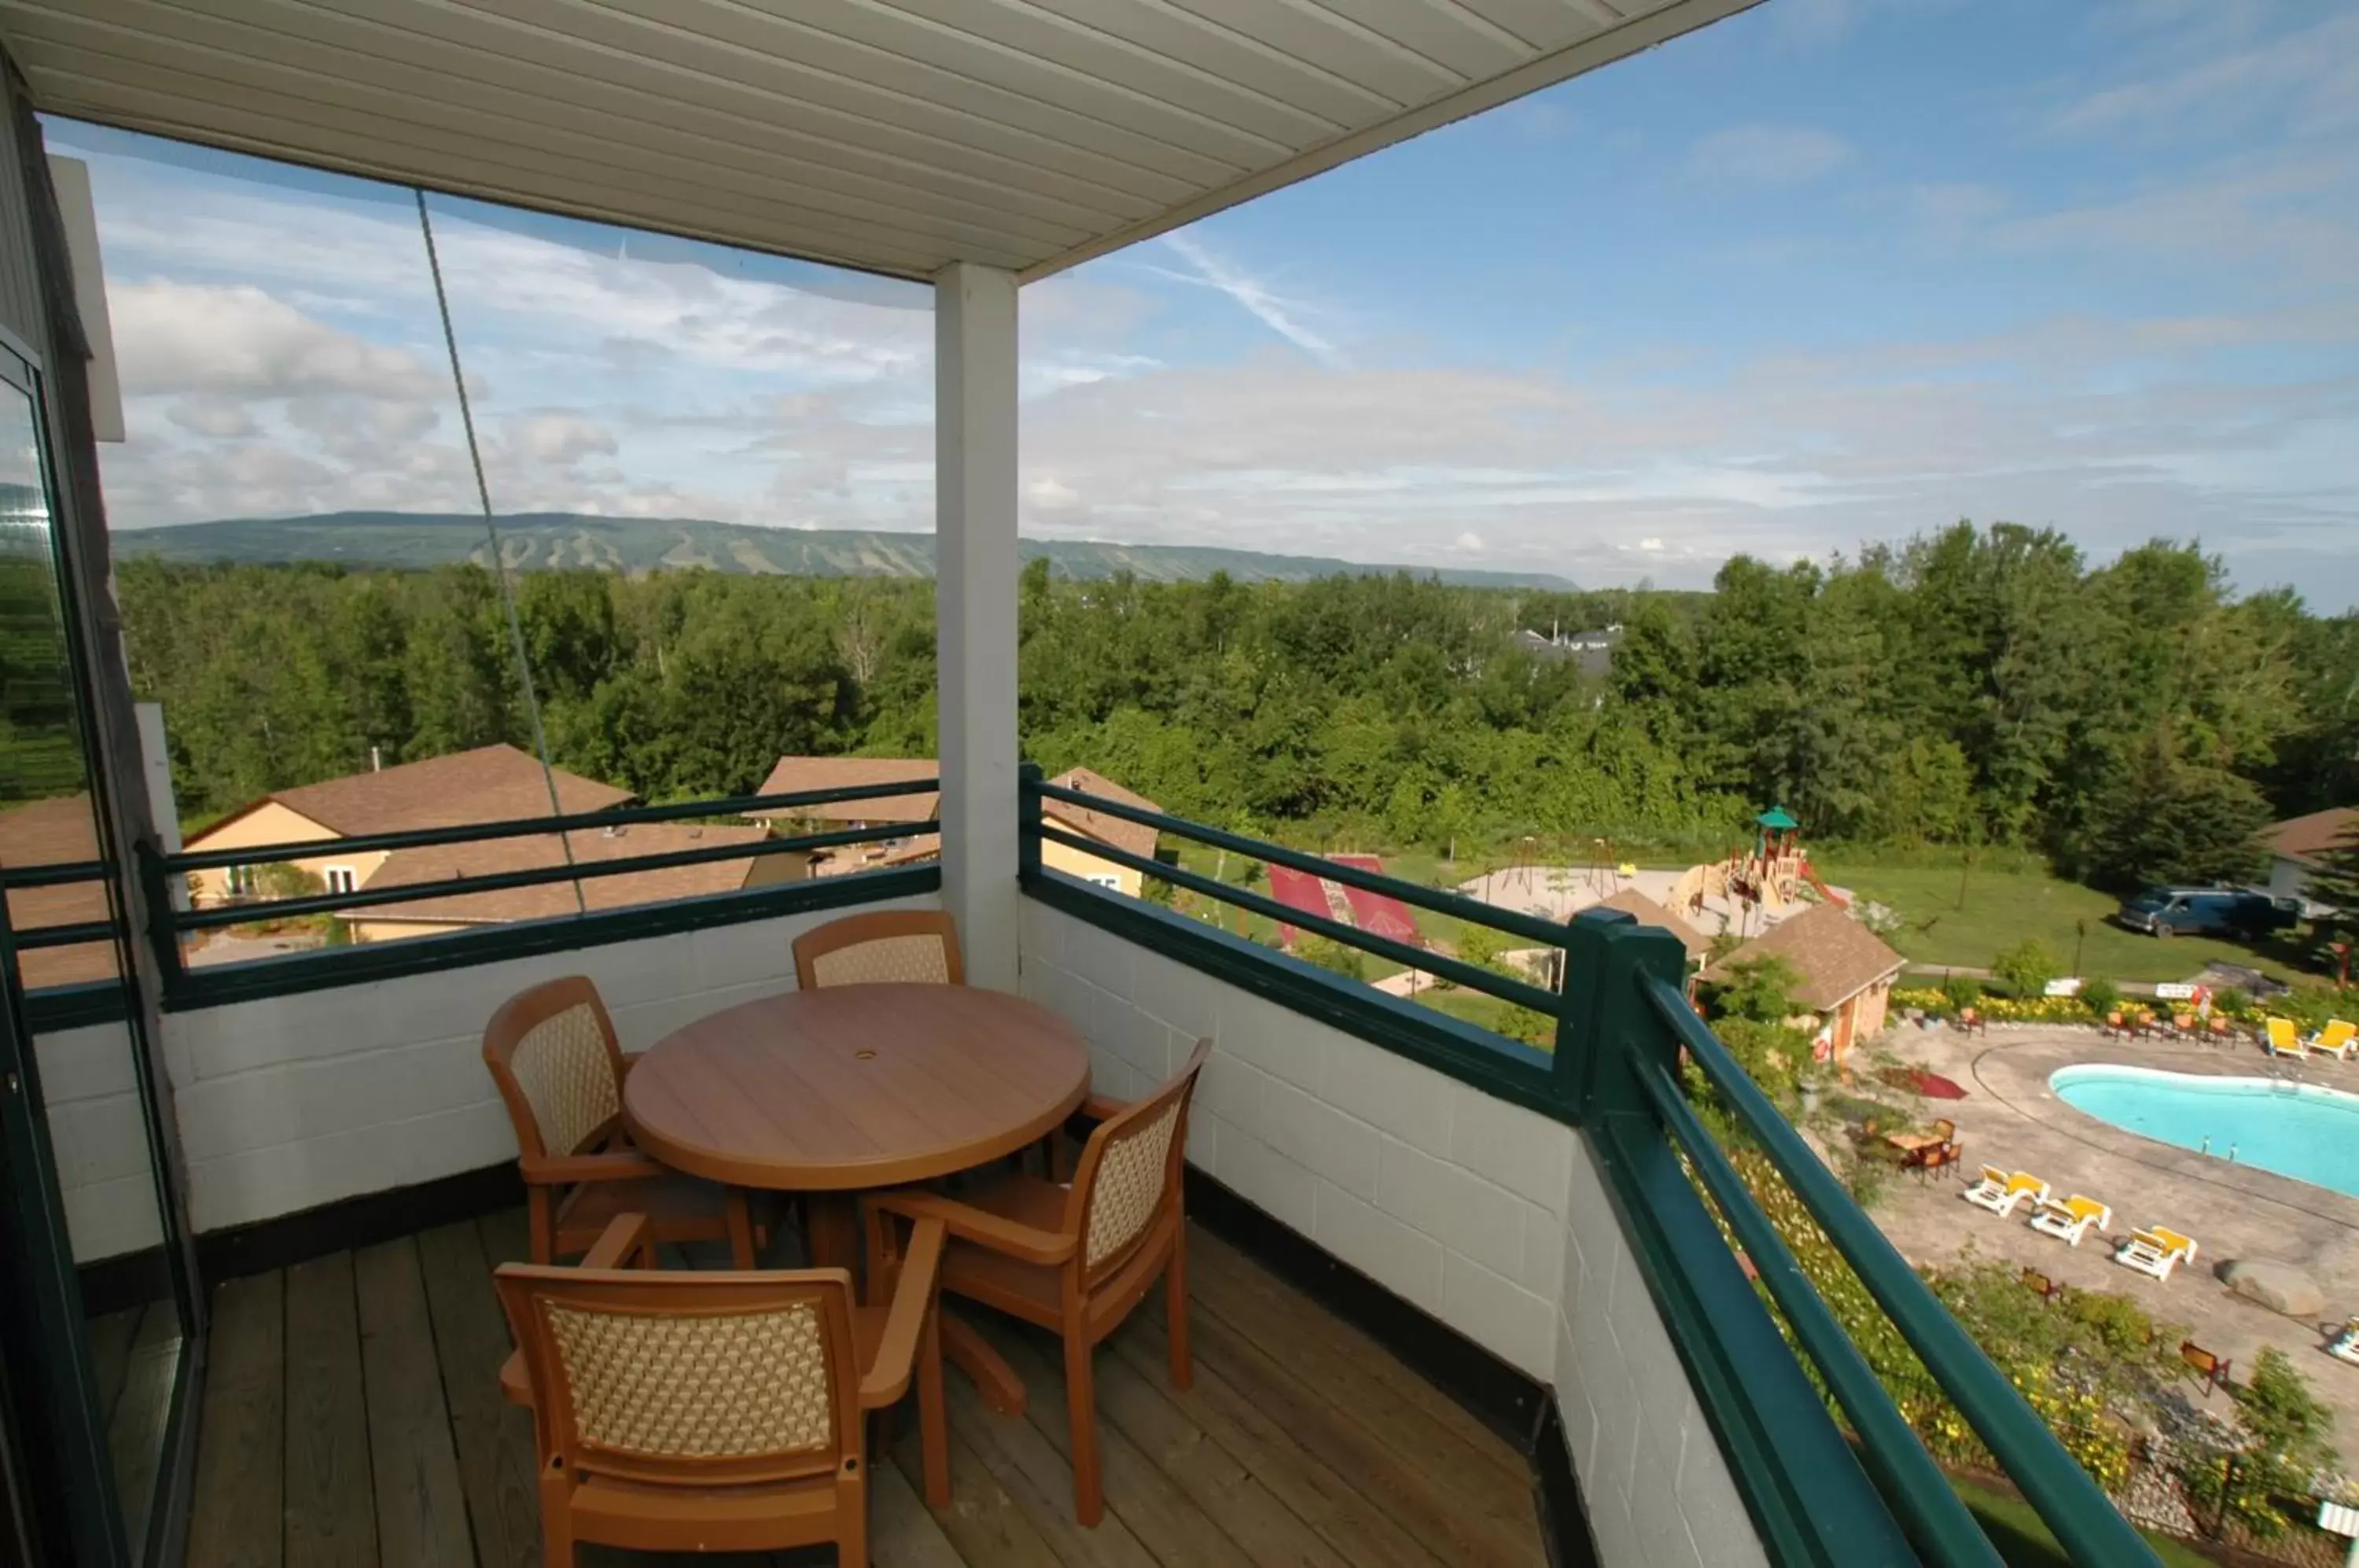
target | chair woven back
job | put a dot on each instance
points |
(1130, 1170)
(694, 1380)
(886, 947)
(553, 1053)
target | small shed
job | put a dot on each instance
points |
(1846, 971)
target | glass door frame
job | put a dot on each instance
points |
(58, 1436)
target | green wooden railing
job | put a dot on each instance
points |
(329, 967)
(1817, 1492)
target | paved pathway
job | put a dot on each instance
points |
(2011, 1118)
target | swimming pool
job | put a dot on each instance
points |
(2295, 1129)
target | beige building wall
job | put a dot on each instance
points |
(272, 823)
(1089, 867)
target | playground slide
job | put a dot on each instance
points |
(1828, 894)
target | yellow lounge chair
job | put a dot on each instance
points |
(2281, 1040)
(2337, 1040)
(2156, 1251)
(2070, 1220)
(2002, 1192)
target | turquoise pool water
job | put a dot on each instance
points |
(2295, 1129)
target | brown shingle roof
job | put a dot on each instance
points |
(56, 832)
(1650, 913)
(797, 773)
(1135, 837)
(405, 867)
(489, 784)
(2307, 839)
(1836, 956)
(794, 773)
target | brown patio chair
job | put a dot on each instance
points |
(1946, 1129)
(2209, 1370)
(884, 946)
(1076, 1257)
(1970, 1020)
(2115, 1024)
(2039, 1283)
(719, 1412)
(553, 1052)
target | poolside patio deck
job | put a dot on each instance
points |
(2010, 1117)
(351, 1417)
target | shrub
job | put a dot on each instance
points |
(1925, 999)
(2026, 968)
(2100, 996)
(1348, 962)
(1963, 990)
(1760, 989)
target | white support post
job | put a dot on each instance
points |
(975, 593)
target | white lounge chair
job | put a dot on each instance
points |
(2070, 1220)
(2345, 1346)
(2338, 1039)
(2156, 1251)
(2002, 1193)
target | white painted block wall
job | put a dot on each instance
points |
(291, 1102)
(99, 1140)
(1658, 1488)
(1486, 1216)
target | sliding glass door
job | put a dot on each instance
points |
(98, 1311)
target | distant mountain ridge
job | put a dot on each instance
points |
(535, 541)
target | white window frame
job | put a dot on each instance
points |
(351, 878)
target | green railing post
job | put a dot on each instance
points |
(1603, 1024)
(163, 930)
(1028, 821)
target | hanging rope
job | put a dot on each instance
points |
(491, 535)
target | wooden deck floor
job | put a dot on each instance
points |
(351, 1417)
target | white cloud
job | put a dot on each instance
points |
(222, 418)
(2199, 83)
(181, 337)
(1765, 154)
(1278, 313)
(1471, 542)
(560, 438)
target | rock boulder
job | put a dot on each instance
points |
(2280, 1287)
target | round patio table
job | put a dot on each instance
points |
(836, 1092)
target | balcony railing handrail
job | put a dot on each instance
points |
(61, 873)
(1938, 1521)
(309, 904)
(2083, 1520)
(1519, 992)
(523, 827)
(1638, 1048)
(1458, 906)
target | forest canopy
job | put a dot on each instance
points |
(2132, 719)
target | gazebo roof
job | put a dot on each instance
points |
(1776, 817)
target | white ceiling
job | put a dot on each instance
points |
(894, 135)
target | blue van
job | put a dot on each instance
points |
(2238, 912)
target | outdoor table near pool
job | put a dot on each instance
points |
(845, 1090)
(1911, 1142)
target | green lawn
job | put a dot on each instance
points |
(2015, 1529)
(2003, 907)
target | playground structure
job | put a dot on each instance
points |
(1746, 892)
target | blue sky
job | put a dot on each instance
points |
(1832, 271)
